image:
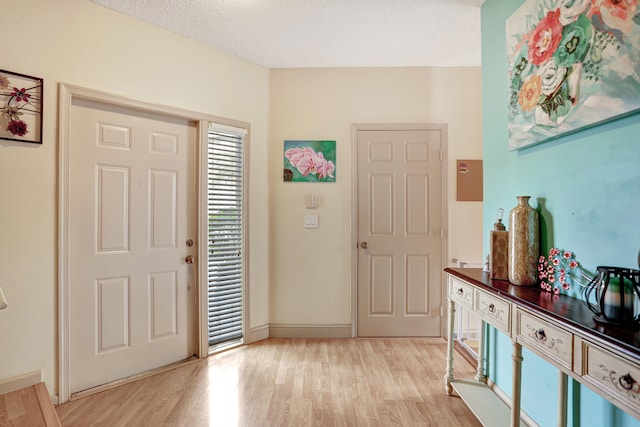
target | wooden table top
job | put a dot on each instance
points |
(566, 310)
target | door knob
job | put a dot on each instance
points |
(189, 259)
(364, 245)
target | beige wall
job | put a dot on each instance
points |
(78, 42)
(298, 276)
(310, 281)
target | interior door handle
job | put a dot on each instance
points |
(364, 245)
(189, 259)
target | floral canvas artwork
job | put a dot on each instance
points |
(572, 64)
(20, 107)
(309, 161)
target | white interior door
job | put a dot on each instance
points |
(132, 210)
(400, 226)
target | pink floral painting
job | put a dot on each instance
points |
(309, 161)
(572, 64)
(20, 107)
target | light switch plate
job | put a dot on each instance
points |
(311, 221)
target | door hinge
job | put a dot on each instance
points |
(441, 311)
(441, 155)
(441, 232)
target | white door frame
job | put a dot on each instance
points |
(355, 128)
(67, 94)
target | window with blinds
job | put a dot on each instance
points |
(225, 266)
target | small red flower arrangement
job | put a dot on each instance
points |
(18, 99)
(556, 270)
(17, 127)
(20, 94)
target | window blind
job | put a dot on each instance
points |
(225, 234)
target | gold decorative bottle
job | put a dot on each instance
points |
(498, 249)
(523, 243)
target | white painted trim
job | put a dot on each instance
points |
(246, 288)
(444, 158)
(309, 331)
(258, 333)
(203, 315)
(354, 229)
(64, 108)
(18, 382)
(67, 93)
(218, 127)
(355, 128)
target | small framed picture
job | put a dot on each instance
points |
(309, 161)
(20, 107)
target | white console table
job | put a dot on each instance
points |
(558, 328)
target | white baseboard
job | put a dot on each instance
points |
(258, 333)
(528, 421)
(309, 331)
(20, 381)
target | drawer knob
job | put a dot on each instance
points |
(626, 382)
(460, 291)
(540, 335)
(492, 308)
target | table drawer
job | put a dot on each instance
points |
(461, 292)
(613, 375)
(494, 310)
(549, 340)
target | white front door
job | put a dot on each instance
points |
(132, 212)
(400, 226)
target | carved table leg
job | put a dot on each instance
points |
(562, 399)
(516, 384)
(448, 376)
(481, 376)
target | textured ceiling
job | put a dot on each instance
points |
(323, 33)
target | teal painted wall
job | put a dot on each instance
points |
(586, 187)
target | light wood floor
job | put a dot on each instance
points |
(290, 382)
(29, 406)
